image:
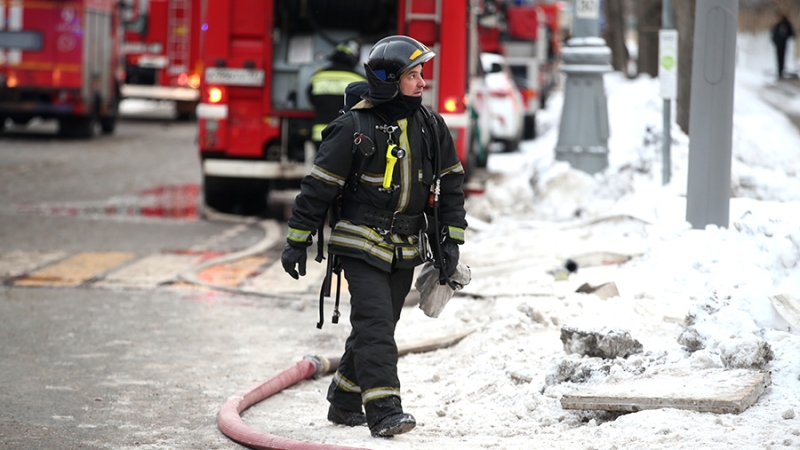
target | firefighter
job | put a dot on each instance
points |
(383, 227)
(326, 87)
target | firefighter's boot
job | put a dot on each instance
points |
(386, 418)
(349, 418)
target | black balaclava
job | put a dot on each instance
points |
(400, 107)
(387, 98)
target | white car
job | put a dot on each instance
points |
(505, 103)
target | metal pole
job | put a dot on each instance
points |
(708, 191)
(583, 132)
(666, 145)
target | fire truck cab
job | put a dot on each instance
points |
(161, 50)
(59, 60)
(254, 116)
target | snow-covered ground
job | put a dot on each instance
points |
(500, 387)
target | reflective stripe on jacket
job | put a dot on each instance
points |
(326, 93)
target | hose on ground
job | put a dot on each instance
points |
(229, 419)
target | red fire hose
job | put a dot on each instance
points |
(230, 421)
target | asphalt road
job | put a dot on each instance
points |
(83, 369)
(145, 364)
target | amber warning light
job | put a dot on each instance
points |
(450, 105)
(214, 95)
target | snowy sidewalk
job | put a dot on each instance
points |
(784, 95)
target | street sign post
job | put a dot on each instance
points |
(668, 63)
(668, 75)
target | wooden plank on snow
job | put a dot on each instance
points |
(788, 307)
(709, 390)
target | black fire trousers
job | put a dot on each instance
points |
(368, 367)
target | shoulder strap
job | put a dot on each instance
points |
(362, 122)
(363, 126)
(429, 115)
(432, 124)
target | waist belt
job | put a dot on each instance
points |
(386, 221)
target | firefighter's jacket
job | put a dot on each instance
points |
(325, 91)
(338, 169)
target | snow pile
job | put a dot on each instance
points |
(691, 299)
(719, 280)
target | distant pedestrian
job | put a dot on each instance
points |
(781, 33)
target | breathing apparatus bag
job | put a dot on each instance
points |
(354, 93)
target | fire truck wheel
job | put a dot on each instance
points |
(235, 196)
(543, 98)
(185, 110)
(215, 194)
(529, 127)
(478, 157)
(108, 124)
(509, 145)
(21, 121)
(473, 159)
(78, 127)
(86, 127)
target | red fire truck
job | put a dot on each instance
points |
(254, 117)
(529, 35)
(161, 47)
(59, 60)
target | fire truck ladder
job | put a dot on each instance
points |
(178, 36)
(436, 18)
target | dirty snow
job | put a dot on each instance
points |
(694, 299)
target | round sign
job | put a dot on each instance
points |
(65, 43)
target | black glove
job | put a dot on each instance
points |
(294, 255)
(450, 254)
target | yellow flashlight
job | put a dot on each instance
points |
(393, 153)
